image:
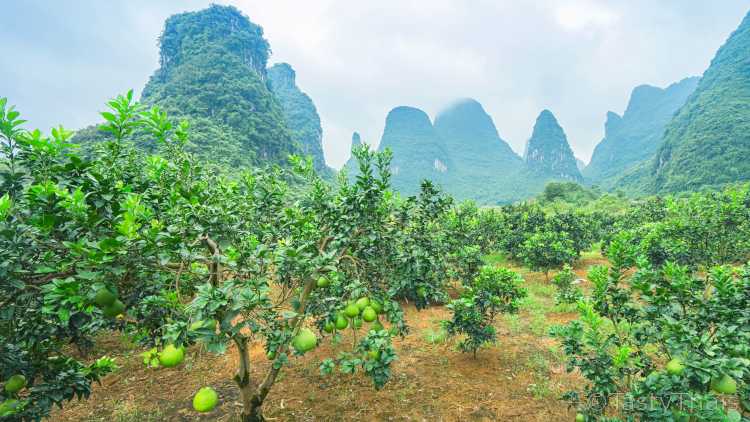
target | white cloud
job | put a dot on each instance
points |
(583, 14)
(359, 59)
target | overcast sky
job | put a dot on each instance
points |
(61, 60)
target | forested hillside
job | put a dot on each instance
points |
(548, 153)
(707, 143)
(634, 137)
(300, 113)
(418, 152)
(213, 73)
(192, 258)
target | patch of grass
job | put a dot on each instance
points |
(435, 336)
(540, 389)
(593, 254)
(538, 323)
(514, 323)
(127, 412)
(565, 308)
(495, 258)
(543, 290)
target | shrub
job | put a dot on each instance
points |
(493, 291)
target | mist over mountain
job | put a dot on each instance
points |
(463, 153)
(213, 72)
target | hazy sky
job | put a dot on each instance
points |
(61, 60)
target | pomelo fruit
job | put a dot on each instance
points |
(580, 417)
(724, 385)
(362, 303)
(328, 328)
(171, 356)
(373, 354)
(369, 314)
(421, 292)
(202, 325)
(8, 407)
(104, 297)
(15, 384)
(271, 355)
(114, 309)
(675, 367)
(323, 281)
(351, 310)
(304, 341)
(205, 400)
(341, 322)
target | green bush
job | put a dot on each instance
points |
(492, 292)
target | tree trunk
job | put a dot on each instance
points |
(242, 378)
(252, 402)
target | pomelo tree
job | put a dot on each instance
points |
(494, 291)
(546, 250)
(172, 252)
(670, 341)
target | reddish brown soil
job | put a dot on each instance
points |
(519, 379)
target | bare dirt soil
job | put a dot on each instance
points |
(519, 379)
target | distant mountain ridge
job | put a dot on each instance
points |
(213, 73)
(707, 142)
(635, 137)
(463, 152)
(299, 112)
(548, 152)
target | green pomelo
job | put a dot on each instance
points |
(369, 314)
(104, 297)
(205, 400)
(304, 341)
(351, 310)
(362, 303)
(341, 322)
(114, 309)
(171, 356)
(15, 384)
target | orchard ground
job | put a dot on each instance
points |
(520, 378)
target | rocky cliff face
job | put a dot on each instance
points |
(213, 73)
(548, 152)
(299, 112)
(418, 152)
(472, 140)
(707, 143)
(634, 138)
(464, 154)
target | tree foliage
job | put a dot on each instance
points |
(195, 253)
(492, 292)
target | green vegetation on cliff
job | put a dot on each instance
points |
(213, 73)
(300, 113)
(635, 137)
(418, 152)
(707, 144)
(548, 152)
